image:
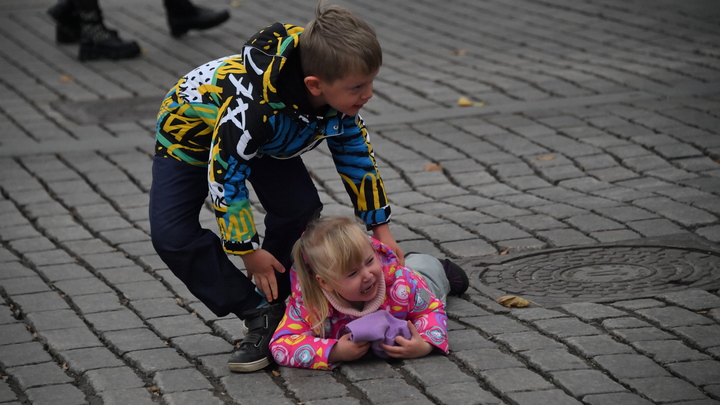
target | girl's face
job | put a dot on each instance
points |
(360, 283)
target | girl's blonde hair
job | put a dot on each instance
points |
(337, 43)
(329, 247)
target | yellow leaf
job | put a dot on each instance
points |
(460, 52)
(513, 301)
(432, 167)
(504, 252)
(276, 373)
(66, 79)
(546, 157)
(235, 4)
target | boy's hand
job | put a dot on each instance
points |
(347, 350)
(383, 234)
(408, 349)
(261, 266)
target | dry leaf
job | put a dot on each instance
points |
(154, 388)
(432, 167)
(276, 373)
(546, 157)
(66, 79)
(504, 252)
(466, 102)
(235, 4)
(513, 301)
(460, 52)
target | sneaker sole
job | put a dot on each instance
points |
(249, 367)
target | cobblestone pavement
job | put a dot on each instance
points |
(585, 177)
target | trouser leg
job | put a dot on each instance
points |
(290, 199)
(195, 255)
(432, 272)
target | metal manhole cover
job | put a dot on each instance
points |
(607, 273)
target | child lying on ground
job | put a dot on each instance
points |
(341, 275)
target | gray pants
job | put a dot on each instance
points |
(432, 272)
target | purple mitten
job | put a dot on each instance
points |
(378, 327)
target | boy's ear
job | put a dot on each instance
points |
(313, 84)
(324, 284)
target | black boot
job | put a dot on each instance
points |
(67, 23)
(99, 42)
(183, 16)
(254, 352)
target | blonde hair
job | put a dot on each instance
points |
(329, 247)
(337, 43)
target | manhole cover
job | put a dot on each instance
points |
(607, 273)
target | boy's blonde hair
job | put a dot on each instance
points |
(329, 247)
(337, 43)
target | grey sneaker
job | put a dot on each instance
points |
(254, 352)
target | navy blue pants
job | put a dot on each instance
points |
(195, 255)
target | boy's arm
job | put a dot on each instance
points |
(382, 233)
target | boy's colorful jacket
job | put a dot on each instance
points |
(234, 109)
(294, 344)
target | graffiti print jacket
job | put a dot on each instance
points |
(234, 109)
(406, 296)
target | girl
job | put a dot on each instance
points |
(340, 275)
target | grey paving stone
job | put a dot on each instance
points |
(548, 360)
(639, 334)
(669, 317)
(585, 382)
(49, 257)
(124, 341)
(638, 304)
(515, 379)
(21, 354)
(614, 236)
(14, 269)
(202, 345)
(7, 394)
(479, 360)
(367, 370)
(83, 286)
(24, 285)
(518, 342)
(564, 237)
(624, 398)
(31, 244)
(199, 397)
(694, 300)
(56, 394)
(669, 351)
(181, 325)
(70, 338)
(390, 390)
(534, 314)
(90, 304)
(134, 396)
(436, 370)
(665, 389)
(469, 248)
(592, 312)
(315, 387)
(623, 366)
(591, 346)
(61, 272)
(152, 360)
(60, 319)
(675, 211)
(122, 275)
(36, 375)
(467, 339)
(188, 379)
(702, 336)
(624, 323)
(554, 396)
(461, 393)
(114, 320)
(81, 360)
(113, 378)
(495, 324)
(107, 260)
(655, 227)
(447, 232)
(14, 333)
(143, 290)
(700, 373)
(565, 327)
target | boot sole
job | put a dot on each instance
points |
(249, 367)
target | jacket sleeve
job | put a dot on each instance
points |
(427, 312)
(235, 141)
(294, 343)
(355, 162)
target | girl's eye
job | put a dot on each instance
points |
(352, 274)
(370, 261)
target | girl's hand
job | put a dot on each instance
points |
(347, 350)
(408, 349)
(383, 234)
(261, 266)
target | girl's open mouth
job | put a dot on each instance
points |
(367, 290)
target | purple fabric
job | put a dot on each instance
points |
(378, 327)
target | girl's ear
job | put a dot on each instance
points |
(313, 84)
(324, 284)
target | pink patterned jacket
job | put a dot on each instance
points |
(407, 296)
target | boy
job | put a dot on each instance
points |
(248, 117)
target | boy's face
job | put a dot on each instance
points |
(347, 95)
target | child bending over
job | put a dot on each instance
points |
(341, 275)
